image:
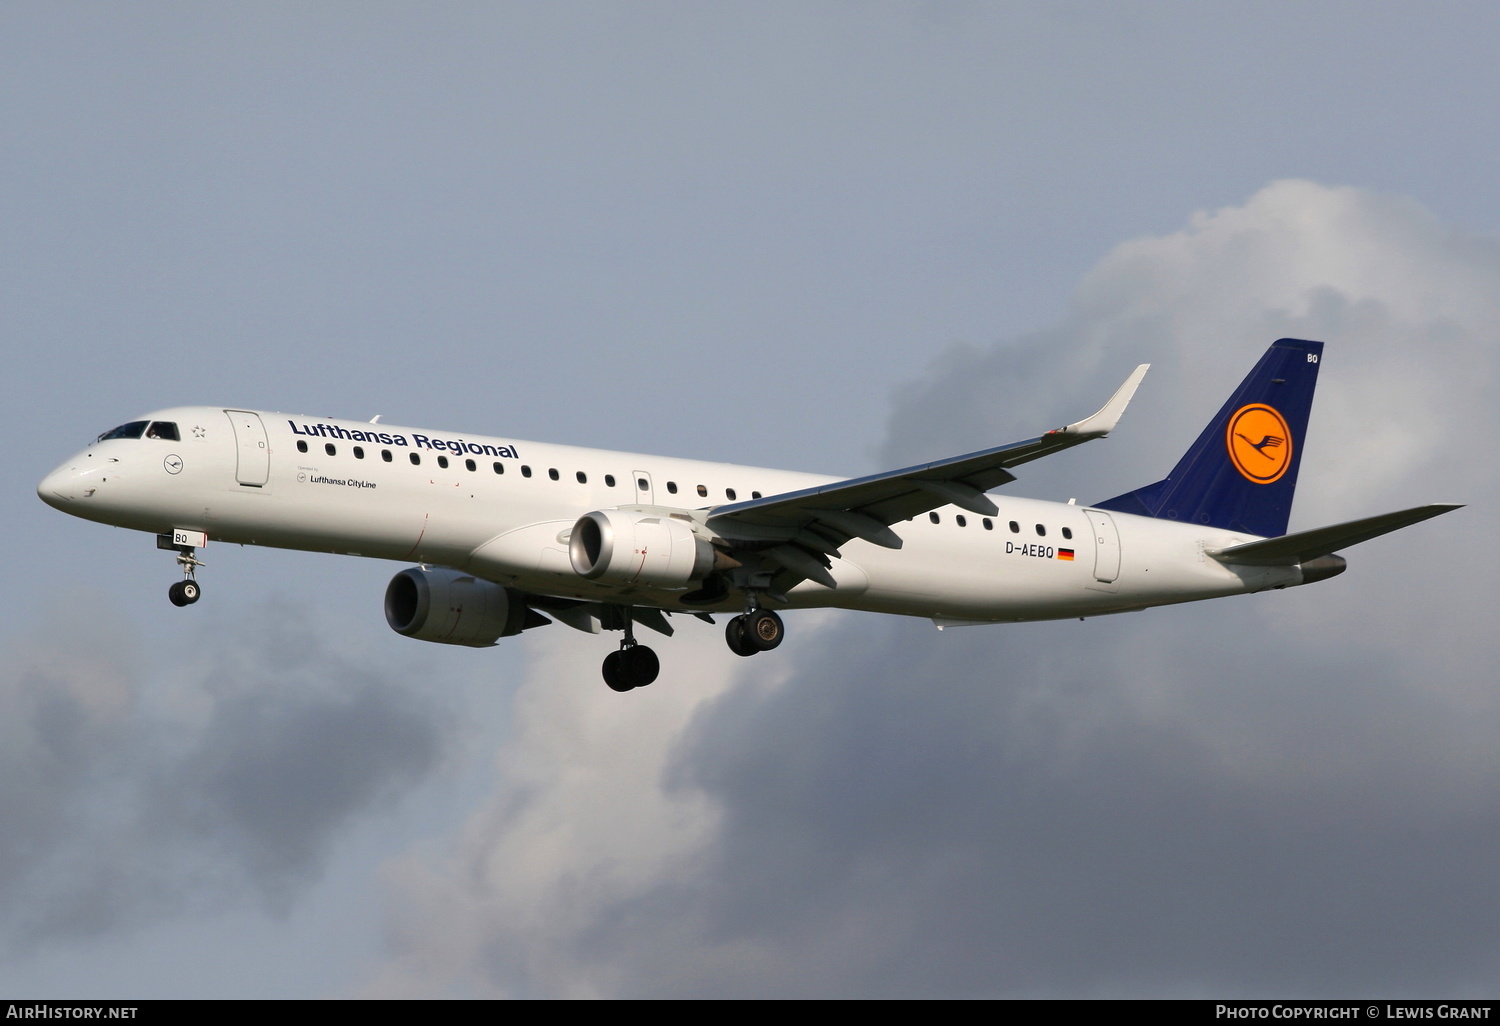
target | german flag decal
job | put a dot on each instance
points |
(1065, 554)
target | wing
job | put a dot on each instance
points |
(799, 530)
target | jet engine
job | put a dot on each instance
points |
(454, 608)
(657, 551)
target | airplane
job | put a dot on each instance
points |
(510, 535)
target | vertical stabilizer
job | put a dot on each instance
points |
(1241, 472)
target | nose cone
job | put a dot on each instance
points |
(60, 489)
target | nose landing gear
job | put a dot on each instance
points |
(186, 591)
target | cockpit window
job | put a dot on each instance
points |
(164, 429)
(132, 430)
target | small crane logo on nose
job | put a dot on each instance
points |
(173, 464)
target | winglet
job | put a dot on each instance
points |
(1103, 422)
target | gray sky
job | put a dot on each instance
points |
(830, 237)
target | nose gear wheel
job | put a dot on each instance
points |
(186, 591)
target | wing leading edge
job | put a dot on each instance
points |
(800, 530)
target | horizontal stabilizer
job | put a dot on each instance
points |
(1304, 546)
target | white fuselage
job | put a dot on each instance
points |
(502, 509)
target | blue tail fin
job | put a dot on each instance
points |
(1241, 472)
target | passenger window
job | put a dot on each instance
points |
(1067, 532)
(702, 492)
(329, 449)
(642, 483)
(1041, 532)
(301, 445)
(672, 487)
(989, 525)
(471, 464)
(359, 452)
(961, 521)
(1015, 528)
(609, 480)
(499, 467)
(443, 462)
(552, 473)
(385, 454)
(934, 518)
(729, 494)
(416, 459)
(525, 471)
(163, 429)
(755, 495)
(131, 430)
(582, 477)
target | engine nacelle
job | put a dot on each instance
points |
(452, 608)
(653, 550)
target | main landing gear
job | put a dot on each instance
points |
(630, 668)
(759, 630)
(633, 666)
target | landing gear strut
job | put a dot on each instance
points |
(633, 666)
